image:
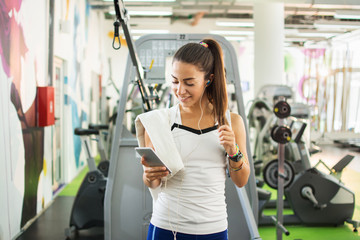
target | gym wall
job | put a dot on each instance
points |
(28, 152)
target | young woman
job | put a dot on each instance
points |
(210, 139)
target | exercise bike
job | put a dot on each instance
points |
(103, 133)
(316, 198)
(88, 207)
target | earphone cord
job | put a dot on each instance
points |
(202, 112)
(175, 230)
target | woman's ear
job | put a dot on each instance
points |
(211, 78)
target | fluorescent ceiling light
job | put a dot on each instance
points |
(234, 23)
(296, 26)
(336, 24)
(333, 6)
(148, 31)
(234, 38)
(316, 34)
(220, 32)
(347, 14)
(148, 11)
(291, 31)
(239, 11)
(146, 21)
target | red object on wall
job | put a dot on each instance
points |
(45, 106)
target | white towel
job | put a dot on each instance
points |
(157, 124)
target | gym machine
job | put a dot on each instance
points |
(315, 197)
(349, 143)
(103, 133)
(128, 203)
(262, 119)
(88, 207)
(281, 134)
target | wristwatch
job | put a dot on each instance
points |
(236, 158)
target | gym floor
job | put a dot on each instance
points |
(52, 223)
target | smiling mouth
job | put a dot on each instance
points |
(183, 99)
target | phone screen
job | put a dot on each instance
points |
(151, 158)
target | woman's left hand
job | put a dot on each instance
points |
(227, 139)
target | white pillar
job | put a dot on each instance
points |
(269, 42)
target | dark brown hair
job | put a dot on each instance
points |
(209, 59)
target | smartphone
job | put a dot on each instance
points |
(151, 158)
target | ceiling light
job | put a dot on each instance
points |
(234, 38)
(334, 6)
(234, 23)
(316, 34)
(291, 31)
(148, 31)
(146, 21)
(336, 24)
(347, 14)
(148, 11)
(220, 32)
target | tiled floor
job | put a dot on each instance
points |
(52, 223)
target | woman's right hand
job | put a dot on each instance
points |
(152, 175)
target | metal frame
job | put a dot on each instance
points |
(128, 204)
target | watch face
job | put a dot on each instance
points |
(236, 158)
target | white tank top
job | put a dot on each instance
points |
(193, 201)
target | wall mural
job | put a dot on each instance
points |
(23, 67)
(13, 50)
(76, 83)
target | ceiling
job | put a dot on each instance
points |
(305, 20)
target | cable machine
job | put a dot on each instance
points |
(128, 203)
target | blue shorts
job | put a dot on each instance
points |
(156, 233)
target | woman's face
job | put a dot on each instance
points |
(188, 83)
